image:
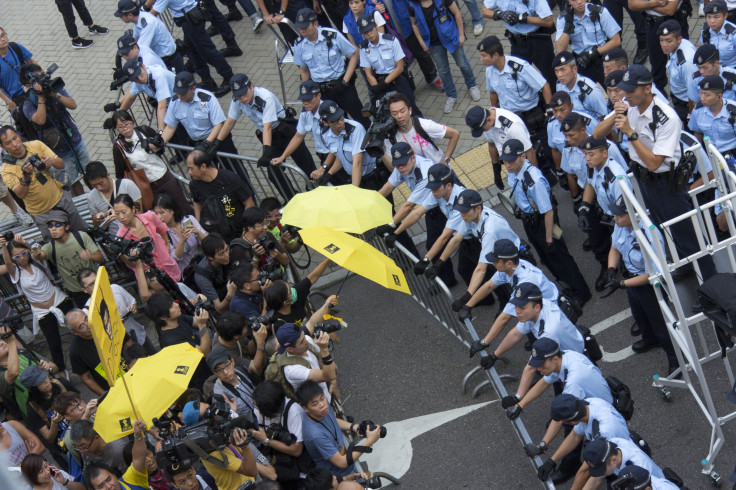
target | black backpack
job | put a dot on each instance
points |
(214, 219)
(622, 401)
(718, 297)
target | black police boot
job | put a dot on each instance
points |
(600, 282)
(207, 84)
(212, 31)
(222, 89)
(586, 245)
(642, 53)
(635, 330)
(497, 178)
(232, 49)
(642, 346)
(233, 14)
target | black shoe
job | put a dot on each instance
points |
(641, 346)
(222, 89)
(635, 330)
(231, 51)
(497, 178)
(697, 307)
(641, 56)
(586, 245)
(600, 282)
(234, 14)
(208, 84)
(561, 475)
(683, 272)
(212, 31)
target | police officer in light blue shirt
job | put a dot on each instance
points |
(680, 67)
(719, 32)
(708, 62)
(607, 174)
(129, 49)
(600, 452)
(588, 96)
(156, 82)
(715, 117)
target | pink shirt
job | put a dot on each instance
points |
(156, 228)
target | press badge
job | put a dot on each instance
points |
(342, 451)
(443, 16)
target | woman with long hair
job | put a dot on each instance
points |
(185, 232)
(43, 476)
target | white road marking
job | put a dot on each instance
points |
(610, 321)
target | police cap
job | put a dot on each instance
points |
(563, 58)
(132, 68)
(641, 478)
(330, 111)
(467, 200)
(616, 54)
(511, 150)
(614, 78)
(571, 121)
(502, 249)
(183, 82)
(304, 18)
(669, 27)
(308, 89)
(596, 453)
(366, 22)
(716, 7)
(401, 153)
(488, 43)
(593, 143)
(125, 7)
(240, 84)
(559, 98)
(543, 349)
(705, 53)
(126, 43)
(567, 408)
(476, 119)
(635, 76)
(437, 175)
(712, 82)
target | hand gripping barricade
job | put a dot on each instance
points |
(689, 331)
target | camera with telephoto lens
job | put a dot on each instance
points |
(265, 242)
(255, 322)
(273, 275)
(328, 326)
(374, 482)
(48, 85)
(13, 323)
(367, 425)
(206, 304)
(277, 432)
(381, 127)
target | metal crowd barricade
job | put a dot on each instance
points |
(436, 298)
(685, 328)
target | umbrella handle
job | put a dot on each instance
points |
(130, 398)
(342, 284)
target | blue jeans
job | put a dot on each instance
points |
(472, 6)
(74, 161)
(439, 55)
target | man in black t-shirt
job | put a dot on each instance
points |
(219, 196)
(211, 275)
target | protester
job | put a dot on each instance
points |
(185, 233)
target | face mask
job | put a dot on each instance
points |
(293, 295)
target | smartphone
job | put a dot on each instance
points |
(186, 222)
(33, 244)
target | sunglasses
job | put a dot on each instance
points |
(56, 225)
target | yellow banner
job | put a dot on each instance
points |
(107, 328)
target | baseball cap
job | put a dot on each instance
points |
(559, 98)
(670, 27)
(124, 7)
(618, 208)
(126, 43)
(524, 293)
(596, 453)
(366, 22)
(614, 78)
(592, 143)
(712, 82)
(488, 43)
(567, 408)
(217, 357)
(304, 18)
(33, 376)
(132, 68)
(240, 84)
(635, 76)
(716, 7)
(287, 335)
(640, 478)
(190, 413)
(401, 153)
(562, 58)
(705, 53)
(732, 394)
(57, 216)
(437, 175)
(616, 54)
(476, 119)
(571, 121)
(467, 200)
(502, 249)
(330, 111)
(183, 82)
(511, 150)
(543, 349)
(308, 89)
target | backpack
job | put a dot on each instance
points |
(213, 218)
(622, 400)
(289, 467)
(276, 364)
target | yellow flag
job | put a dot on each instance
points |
(107, 328)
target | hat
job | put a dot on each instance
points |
(705, 53)
(616, 54)
(618, 208)
(716, 7)
(614, 78)
(596, 453)
(126, 43)
(488, 43)
(304, 18)
(559, 98)
(467, 200)
(366, 22)
(57, 216)
(524, 293)
(712, 82)
(571, 121)
(567, 408)
(33, 376)
(593, 143)
(511, 150)
(190, 413)
(670, 27)
(543, 349)
(287, 335)
(635, 76)
(437, 175)
(132, 68)
(639, 478)
(125, 7)
(476, 119)
(308, 89)
(240, 84)
(502, 249)
(732, 394)
(217, 357)
(183, 82)
(562, 58)
(401, 153)
(330, 111)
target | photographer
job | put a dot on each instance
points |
(149, 284)
(211, 274)
(257, 246)
(287, 238)
(154, 81)
(289, 301)
(248, 299)
(234, 383)
(48, 108)
(103, 190)
(185, 232)
(135, 476)
(232, 333)
(25, 171)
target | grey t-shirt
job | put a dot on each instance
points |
(112, 456)
(97, 203)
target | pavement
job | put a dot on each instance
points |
(398, 365)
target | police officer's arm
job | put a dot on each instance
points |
(487, 288)
(652, 161)
(546, 93)
(581, 477)
(493, 152)
(534, 393)
(613, 42)
(593, 482)
(588, 194)
(386, 191)
(478, 274)
(412, 218)
(453, 136)
(166, 135)
(398, 70)
(370, 77)
(511, 339)
(552, 430)
(663, 7)
(527, 377)
(229, 124)
(440, 243)
(605, 127)
(161, 109)
(357, 168)
(498, 324)
(571, 442)
(352, 64)
(494, 99)
(296, 140)
(126, 101)
(549, 224)
(215, 132)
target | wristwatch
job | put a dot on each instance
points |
(265, 443)
(542, 445)
(447, 160)
(281, 12)
(324, 167)
(634, 136)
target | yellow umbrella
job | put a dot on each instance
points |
(344, 208)
(154, 383)
(356, 255)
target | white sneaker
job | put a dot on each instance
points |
(477, 30)
(450, 104)
(701, 13)
(22, 217)
(257, 22)
(475, 93)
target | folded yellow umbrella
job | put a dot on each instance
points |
(154, 384)
(343, 208)
(356, 255)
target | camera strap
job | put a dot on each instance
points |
(223, 463)
(15, 49)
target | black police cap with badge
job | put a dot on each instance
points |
(126, 43)
(524, 293)
(330, 111)
(669, 27)
(635, 76)
(476, 119)
(401, 153)
(467, 200)
(614, 78)
(183, 82)
(542, 349)
(618, 207)
(488, 43)
(593, 143)
(437, 175)
(596, 453)
(240, 84)
(712, 82)
(716, 7)
(132, 68)
(366, 22)
(503, 249)
(512, 149)
(616, 54)
(706, 53)
(308, 90)
(563, 58)
(567, 408)
(304, 18)
(126, 7)
(571, 121)
(559, 99)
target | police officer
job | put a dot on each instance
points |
(529, 27)
(591, 31)
(719, 32)
(588, 96)
(201, 50)
(320, 55)
(653, 130)
(614, 59)
(714, 116)
(680, 66)
(641, 478)
(129, 49)
(561, 105)
(708, 62)
(610, 456)
(605, 171)
(155, 81)
(383, 63)
(537, 211)
(149, 31)
(499, 125)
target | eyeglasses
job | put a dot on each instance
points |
(3, 36)
(56, 225)
(86, 449)
(219, 370)
(273, 217)
(125, 124)
(78, 407)
(22, 254)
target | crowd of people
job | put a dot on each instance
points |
(210, 264)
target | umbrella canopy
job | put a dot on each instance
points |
(356, 255)
(344, 208)
(154, 383)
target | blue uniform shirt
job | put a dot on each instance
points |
(607, 192)
(588, 34)
(149, 57)
(556, 138)
(178, 7)
(680, 68)
(610, 422)
(718, 128)
(581, 378)
(553, 324)
(344, 149)
(538, 191)
(309, 122)
(535, 8)
(490, 228)
(416, 180)
(163, 84)
(324, 59)
(573, 162)
(9, 81)
(151, 32)
(526, 272)
(198, 117)
(382, 57)
(632, 454)
(265, 108)
(725, 41)
(515, 95)
(693, 90)
(587, 97)
(624, 240)
(454, 220)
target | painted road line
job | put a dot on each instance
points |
(610, 321)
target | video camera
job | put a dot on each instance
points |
(381, 127)
(48, 85)
(13, 322)
(328, 326)
(115, 246)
